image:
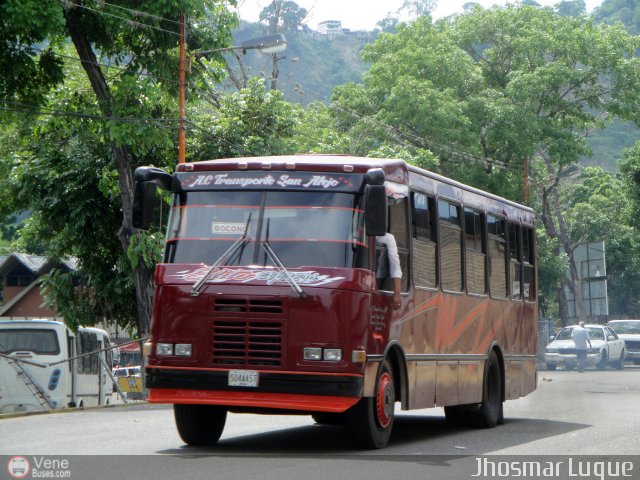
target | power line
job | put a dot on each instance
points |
(139, 13)
(34, 109)
(408, 138)
(127, 20)
(106, 65)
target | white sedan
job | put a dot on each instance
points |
(606, 348)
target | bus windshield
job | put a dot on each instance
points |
(40, 341)
(322, 229)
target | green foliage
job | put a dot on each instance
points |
(552, 268)
(251, 122)
(101, 117)
(624, 11)
(290, 16)
(24, 24)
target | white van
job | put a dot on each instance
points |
(46, 366)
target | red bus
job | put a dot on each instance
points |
(273, 297)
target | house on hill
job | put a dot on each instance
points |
(330, 27)
(20, 274)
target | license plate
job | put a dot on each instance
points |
(243, 378)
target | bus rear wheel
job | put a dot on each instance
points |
(490, 412)
(199, 424)
(370, 421)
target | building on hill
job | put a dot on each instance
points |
(330, 27)
(20, 273)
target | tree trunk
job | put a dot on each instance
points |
(143, 276)
(553, 221)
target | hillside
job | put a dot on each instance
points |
(313, 65)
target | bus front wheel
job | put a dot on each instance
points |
(199, 424)
(370, 421)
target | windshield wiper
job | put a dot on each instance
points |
(240, 242)
(287, 275)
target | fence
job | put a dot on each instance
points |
(28, 382)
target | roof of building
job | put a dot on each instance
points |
(37, 264)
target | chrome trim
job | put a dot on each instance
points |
(446, 357)
(375, 358)
(426, 364)
(519, 358)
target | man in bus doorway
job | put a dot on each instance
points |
(580, 337)
(395, 272)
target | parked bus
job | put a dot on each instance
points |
(270, 297)
(46, 366)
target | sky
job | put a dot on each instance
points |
(364, 14)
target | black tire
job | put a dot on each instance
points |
(620, 363)
(490, 412)
(199, 424)
(329, 418)
(602, 364)
(370, 421)
(551, 366)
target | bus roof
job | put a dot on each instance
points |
(396, 170)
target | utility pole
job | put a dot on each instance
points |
(526, 180)
(182, 119)
(275, 72)
(271, 44)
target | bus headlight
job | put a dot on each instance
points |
(319, 353)
(183, 349)
(164, 349)
(332, 354)
(312, 353)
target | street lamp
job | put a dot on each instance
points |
(270, 44)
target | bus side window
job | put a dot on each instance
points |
(450, 226)
(398, 228)
(476, 252)
(528, 260)
(425, 251)
(515, 263)
(497, 257)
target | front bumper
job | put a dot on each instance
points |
(303, 391)
(632, 354)
(570, 359)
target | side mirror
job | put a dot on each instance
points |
(375, 203)
(147, 180)
(144, 198)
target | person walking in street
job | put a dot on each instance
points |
(580, 337)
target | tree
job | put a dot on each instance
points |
(250, 122)
(283, 16)
(138, 50)
(492, 91)
(571, 8)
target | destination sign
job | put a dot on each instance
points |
(258, 180)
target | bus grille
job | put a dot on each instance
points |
(255, 342)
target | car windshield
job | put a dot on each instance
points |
(626, 327)
(595, 333)
(303, 228)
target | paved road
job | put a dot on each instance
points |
(593, 413)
